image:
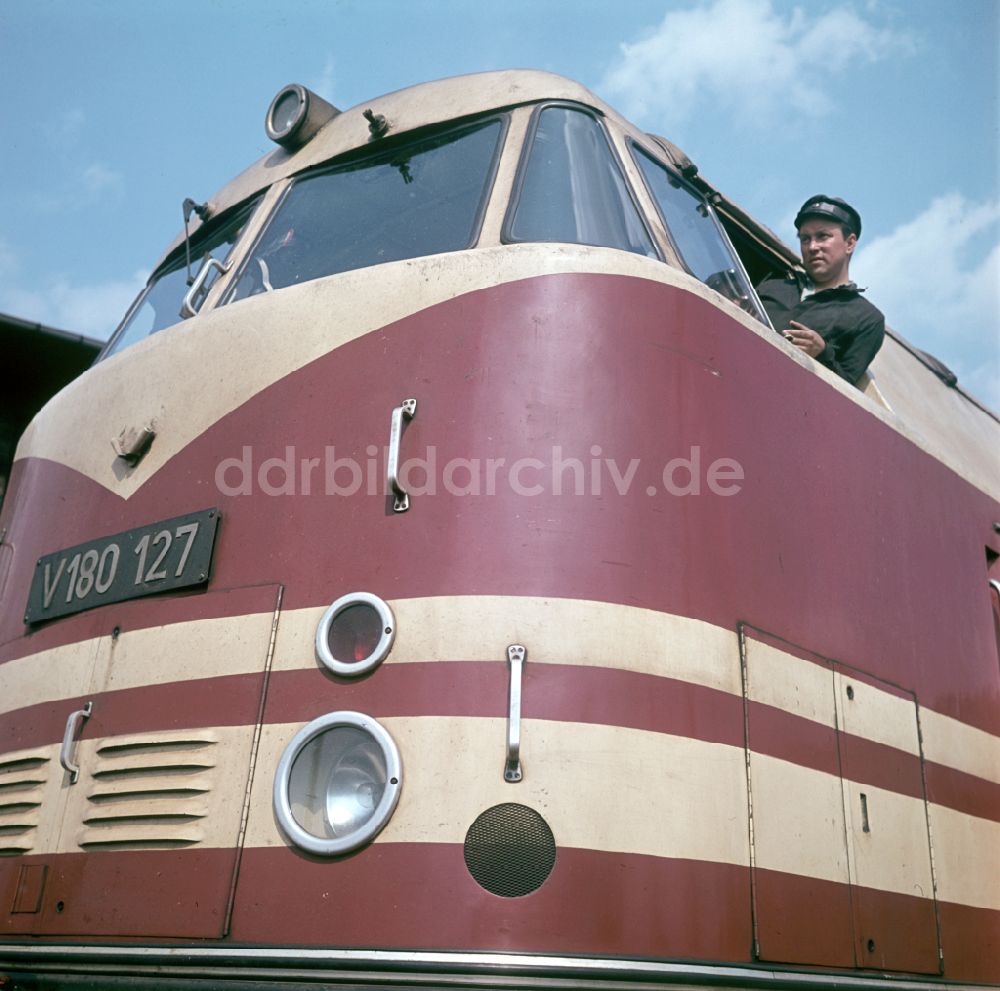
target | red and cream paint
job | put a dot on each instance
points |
(687, 732)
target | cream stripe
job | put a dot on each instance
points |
(631, 791)
(955, 744)
(43, 836)
(798, 819)
(218, 807)
(598, 787)
(205, 648)
(479, 628)
(966, 858)
(50, 675)
(798, 828)
(778, 679)
(166, 379)
(894, 854)
(556, 631)
(805, 689)
(875, 714)
(820, 695)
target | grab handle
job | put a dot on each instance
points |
(73, 724)
(405, 411)
(187, 307)
(516, 656)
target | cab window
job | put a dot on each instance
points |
(159, 304)
(420, 198)
(572, 188)
(697, 234)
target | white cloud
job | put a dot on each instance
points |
(937, 279)
(99, 180)
(744, 55)
(95, 184)
(93, 311)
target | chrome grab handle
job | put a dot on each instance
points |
(406, 410)
(516, 655)
(73, 725)
(187, 307)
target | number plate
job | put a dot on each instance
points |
(170, 554)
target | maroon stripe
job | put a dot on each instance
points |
(166, 893)
(970, 941)
(497, 371)
(567, 693)
(895, 932)
(180, 705)
(964, 792)
(881, 766)
(453, 688)
(802, 920)
(422, 897)
(550, 691)
(811, 921)
(802, 741)
(781, 734)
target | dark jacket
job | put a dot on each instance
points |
(852, 328)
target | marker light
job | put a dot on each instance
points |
(295, 115)
(337, 783)
(355, 634)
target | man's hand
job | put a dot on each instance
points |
(805, 339)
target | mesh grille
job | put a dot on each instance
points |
(510, 850)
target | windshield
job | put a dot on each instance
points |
(159, 305)
(420, 199)
(573, 190)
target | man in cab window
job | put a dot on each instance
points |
(826, 317)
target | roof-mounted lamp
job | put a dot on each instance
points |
(295, 115)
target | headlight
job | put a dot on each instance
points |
(295, 115)
(355, 634)
(337, 783)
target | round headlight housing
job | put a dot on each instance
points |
(337, 784)
(295, 115)
(355, 634)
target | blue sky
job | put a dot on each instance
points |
(115, 110)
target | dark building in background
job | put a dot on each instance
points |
(35, 363)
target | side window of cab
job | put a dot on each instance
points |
(697, 235)
(159, 304)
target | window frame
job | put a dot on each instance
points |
(386, 147)
(635, 148)
(506, 235)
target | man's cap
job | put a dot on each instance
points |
(830, 208)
